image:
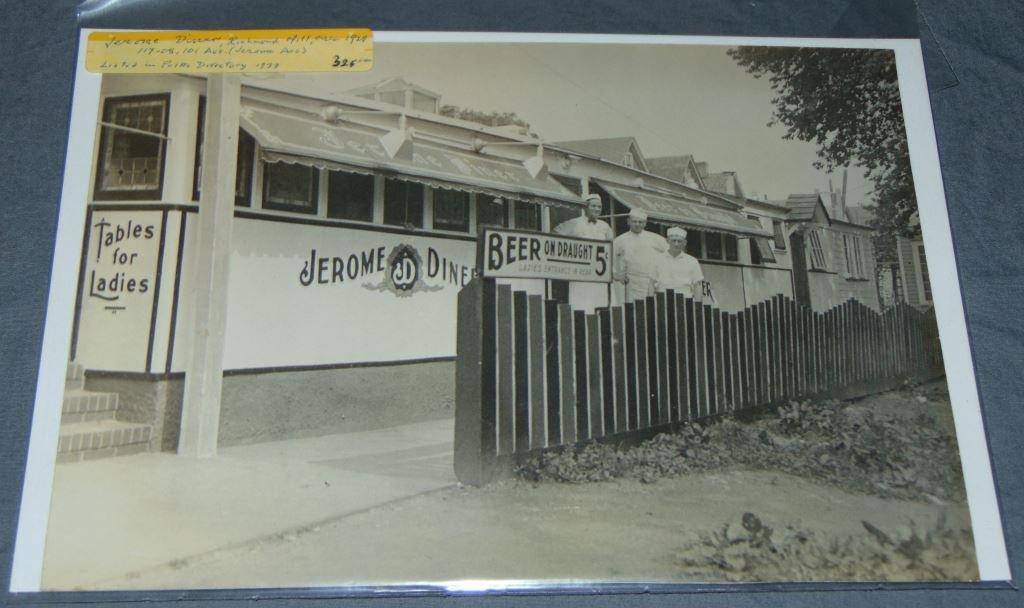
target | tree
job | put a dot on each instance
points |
(847, 101)
(490, 119)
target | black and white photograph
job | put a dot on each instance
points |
(509, 311)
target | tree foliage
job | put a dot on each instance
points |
(847, 101)
(490, 119)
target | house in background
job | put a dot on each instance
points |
(682, 169)
(618, 150)
(913, 270)
(400, 92)
(833, 256)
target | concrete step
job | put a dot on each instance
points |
(85, 406)
(74, 378)
(101, 439)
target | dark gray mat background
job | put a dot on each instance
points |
(974, 59)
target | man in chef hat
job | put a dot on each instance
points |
(636, 253)
(588, 296)
(677, 270)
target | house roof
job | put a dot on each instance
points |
(859, 215)
(676, 168)
(725, 182)
(802, 206)
(396, 83)
(613, 149)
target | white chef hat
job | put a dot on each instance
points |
(638, 214)
(593, 197)
(676, 231)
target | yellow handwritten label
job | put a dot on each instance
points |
(227, 51)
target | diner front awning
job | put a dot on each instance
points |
(668, 208)
(315, 142)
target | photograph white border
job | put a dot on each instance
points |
(993, 563)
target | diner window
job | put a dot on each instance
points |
(393, 97)
(491, 211)
(694, 240)
(732, 248)
(290, 187)
(350, 196)
(451, 210)
(133, 145)
(713, 246)
(403, 203)
(816, 250)
(526, 215)
(779, 229)
(244, 164)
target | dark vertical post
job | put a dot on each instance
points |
(631, 366)
(692, 393)
(728, 352)
(553, 375)
(475, 446)
(594, 348)
(619, 361)
(701, 357)
(567, 373)
(682, 396)
(643, 390)
(652, 360)
(663, 368)
(521, 331)
(579, 320)
(506, 373)
(672, 368)
(607, 372)
(743, 358)
(538, 405)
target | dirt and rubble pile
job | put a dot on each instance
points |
(897, 445)
(754, 551)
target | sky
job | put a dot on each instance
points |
(673, 99)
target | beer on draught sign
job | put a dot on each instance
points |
(513, 254)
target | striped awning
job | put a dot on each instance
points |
(314, 142)
(676, 210)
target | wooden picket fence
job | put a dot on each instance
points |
(533, 374)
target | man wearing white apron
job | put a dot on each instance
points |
(677, 270)
(588, 296)
(636, 253)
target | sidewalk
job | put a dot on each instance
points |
(111, 518)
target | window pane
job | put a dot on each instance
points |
(732, 249)
(290, 187)
(693, 243)
(403, 203)
(780, 234)
(131, 161)
(423, 103)
(350, 196)
(527, 216)
(559, 215)
(572, 184)
(243, 169)
(713, 243)
(395, 97)
(451, 210)
(491, 212)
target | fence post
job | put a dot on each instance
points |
(476, 461)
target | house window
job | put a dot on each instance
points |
(133, 145)
(816, 250)
(491, 211)
(403, 203)
(732, 248)
(424, 103)
(780, 234)
(925, 282)
(854, 248)
(526, 215)
(761, 251)
(244, 164)
(694, 238)
(393, 97)
(628, 160)
(451, 210)
(713, 245)
(350, 196)
(290, 187)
